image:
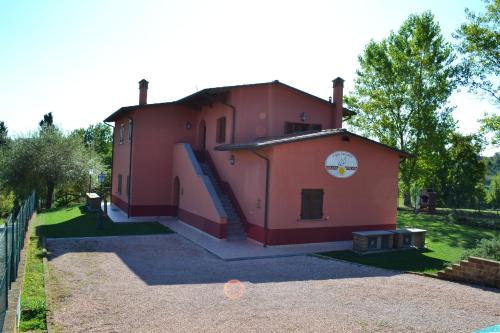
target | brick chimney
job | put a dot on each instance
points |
(338, 96)
(143, 92)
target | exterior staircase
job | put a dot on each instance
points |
(235, 230)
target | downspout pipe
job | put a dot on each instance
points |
(266, 208)
(112, 155)
(129, 188)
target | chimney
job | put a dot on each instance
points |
(143, 92)
(338, 108)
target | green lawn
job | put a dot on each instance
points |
(445, 244)
(75, 221)
(33, 304)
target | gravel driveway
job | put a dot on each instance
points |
(164, 283)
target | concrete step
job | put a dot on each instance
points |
(235, 227)
(238, 237)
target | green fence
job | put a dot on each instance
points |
(11, 243)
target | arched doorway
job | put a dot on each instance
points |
(177, 195)
(202, 140)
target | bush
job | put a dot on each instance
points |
(6, 203)
(485, 248)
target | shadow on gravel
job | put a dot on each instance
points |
(172, 260)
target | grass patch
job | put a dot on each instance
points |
(75, 221)
(33, 304)
(445, 242)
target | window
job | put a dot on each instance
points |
(312, 204)
(221, 130)
(120, 184)
(130, 130)
(300, 127)
(128, 186)
(122, 133)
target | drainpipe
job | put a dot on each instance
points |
(112, 157)
(266, 210)
(129, 189)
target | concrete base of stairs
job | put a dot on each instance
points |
(248, 249)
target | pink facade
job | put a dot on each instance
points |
(256, 141)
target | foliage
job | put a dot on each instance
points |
(445, 243)
(400, 94)
(99, 137)
(3, 134)
(33, 304)
(491, 124)
(47, 121)
(494, 192)
(486, 248)
(47, 161)
(7, 201)
(479, 42)
(464, 172)
(492, 166)
(75, 221)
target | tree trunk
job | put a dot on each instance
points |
(407, 198)
(50, 194)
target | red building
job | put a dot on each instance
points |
(265, 161)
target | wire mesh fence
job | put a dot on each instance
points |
(11, 243)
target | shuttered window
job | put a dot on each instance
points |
(301, 127)
(221, 130)
(312, 204)
(122, 133)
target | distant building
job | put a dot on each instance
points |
(265, 161)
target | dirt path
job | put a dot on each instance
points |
(165, 283)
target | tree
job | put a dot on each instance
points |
(3, 134)
(479, 42)
(99, 137)
(463, 184)
(47, 161)
(494, 192)
(401, 91)
(47, 121)
(491, 124)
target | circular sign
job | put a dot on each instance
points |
(341, 164)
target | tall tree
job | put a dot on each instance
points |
(3, 134)
(47, 161)
(47, 121)
(465, 171)
(491, 124)
(494, 192)
(479, 42)
(98, 137)
(401, 91)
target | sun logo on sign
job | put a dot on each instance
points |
(341, 164)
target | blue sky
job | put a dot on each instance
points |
(81, 60)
